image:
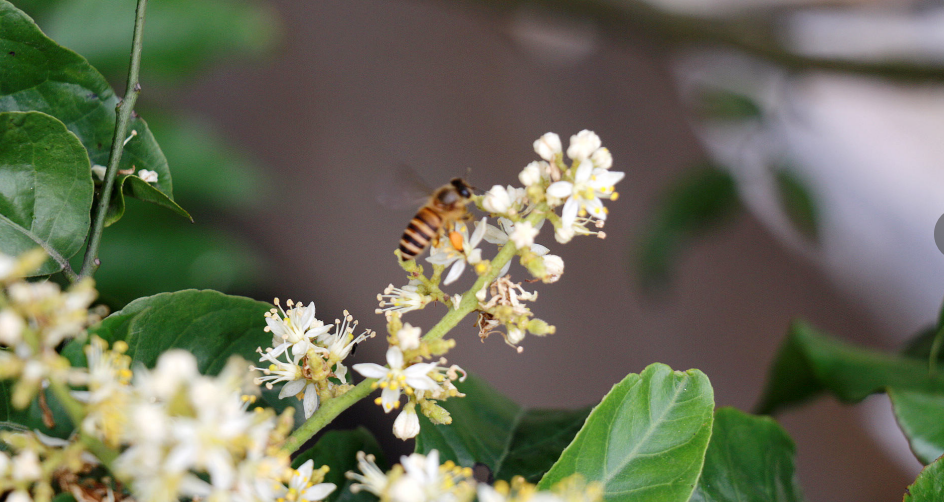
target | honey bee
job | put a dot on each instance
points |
(444, 208)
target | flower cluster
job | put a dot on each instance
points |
(307, 354)
(424, 383)
(420, 478)
(578, 189)
(35, 318)
(37, 463)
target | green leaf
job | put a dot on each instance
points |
(139, 189)
(646, 440)
(338, 450)
(749, 459)
(797, 203)
(725, 105)
(45, 187)
(929, 487)
(702, 199)
(810, 363)
(921, 417)
(507, 438)
(210, 325)
(40, 75)
(31, 418)
(180, 35)
(190, 256)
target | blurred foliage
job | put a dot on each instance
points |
(725, 105)
(797, 203)
(700, 200)
(150, 250)
(181, 36)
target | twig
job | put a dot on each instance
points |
(125, 107)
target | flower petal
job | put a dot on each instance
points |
(569, 214)
(371, 370)
(318, 492)
(560, 189)
(394, 357)
(292, 388)
(454, 273)
(311, 400)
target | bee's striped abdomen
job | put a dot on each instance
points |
(422, 228)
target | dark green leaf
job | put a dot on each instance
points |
(139, 189)
(797, 203)
(921, 417)
(210, 325)
(929, 487)
(725, 105)
(45, 187)
(809, 363)
(338, 450)
(180, 35)
(646, 440)
(190, 256)
(507, 438)
(749, 459)
(40, 75)
(31, 418)
(702, 199)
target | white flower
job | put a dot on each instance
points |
(533, 173)
(290, 372)
(301, 489)
(504, 200)
(409, 337)
(523, 234)
(553, 268)
(401, 300)
(602, 158)
(20, 496)
(371, 477)
(148, 176)
(583, 145)
(515, 335)
(583, 195)
(548, 146)
(11, 327)
(407, 424)
(26, 467)
(469, 253)
(501, 235)
(393, 378)
(99, 171)
(294, 327)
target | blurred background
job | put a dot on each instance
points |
(782, 160)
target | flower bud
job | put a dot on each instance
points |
(553, 268)
(531, 174)
(515, 335)
(497, 200)
(563, 234)
(540, 328)
(435, 413)
(407, 424)
(583, 145)
(548, 146)
(602, 158)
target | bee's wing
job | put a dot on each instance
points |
(400, 187)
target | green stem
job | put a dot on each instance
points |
(332, 408)
(76, 413)
(125, 108)
(326, 413)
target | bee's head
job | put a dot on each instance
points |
(464, 189)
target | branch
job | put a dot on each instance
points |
(125, 108)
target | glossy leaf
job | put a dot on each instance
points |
(929, 487)
(810, 363)
(509, 439)
(40, 75)
(646, 440)
(749, 459)
(921, 417)
(31, 418)
(338, 450)
(134, 186)
(45, 187)
(700, 200)
(180, 36)
(798, 203)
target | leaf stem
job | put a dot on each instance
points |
(332, 408)
(124, 109)
(64, 263)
